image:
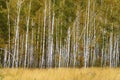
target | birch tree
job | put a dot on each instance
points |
(111, 47)
(17, 20)
(68, 46)
(8, 23)
(27, 37)
(5, 57)
(86, 38)
(44, 30)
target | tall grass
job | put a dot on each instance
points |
(60, 74)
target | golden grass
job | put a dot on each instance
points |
(60, 74)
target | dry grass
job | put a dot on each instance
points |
(60, 74)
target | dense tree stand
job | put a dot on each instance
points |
(59, 33)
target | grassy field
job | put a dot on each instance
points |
(60, 74)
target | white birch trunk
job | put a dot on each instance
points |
(60, 54)
(60, 47)
(68, 46)
(27, 36)
(74, 45)
(51, 51)
(117, 51)
(17, 52)
(8, 23)
(94, 26)
(50, 36)
(32, 47)
(44, 30)
(86, 38)
(85, 60)
(88, 34)
(16, 46)
(111, 48)
(103, 48)
(84, 41)
(5, 57)
(14, 52)
(114, 52)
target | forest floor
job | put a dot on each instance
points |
(60, 74)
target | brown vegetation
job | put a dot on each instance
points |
(60, 74)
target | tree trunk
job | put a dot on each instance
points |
(44, 30)
(68, 46)
(111, 48)
(27, 36)
(5, 57)
(8, 23)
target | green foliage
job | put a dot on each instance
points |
(3, 27)
(3, 4)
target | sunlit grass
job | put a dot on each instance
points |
(60, 74)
